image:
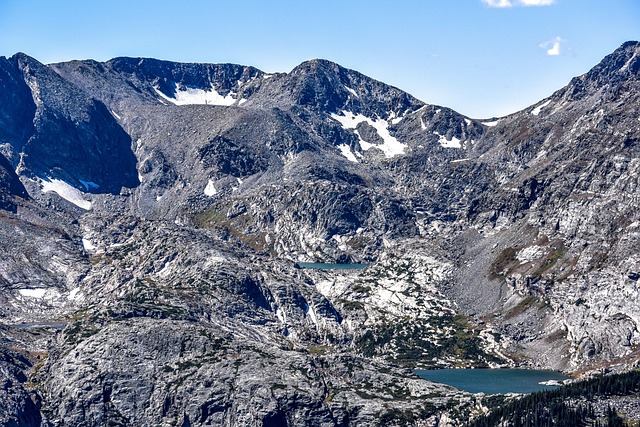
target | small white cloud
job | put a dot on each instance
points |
(536, 2)
(511, 3)
(554, 50)
(498, 3)
(553, 47)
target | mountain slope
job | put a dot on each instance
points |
(227, 292)
(566, 175)
(512, 242)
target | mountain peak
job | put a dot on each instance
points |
(618, 68)
(21, 56)
(331, 87)
(318, 64)
(624, 61)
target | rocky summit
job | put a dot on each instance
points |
(155, 216)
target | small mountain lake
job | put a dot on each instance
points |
(494, 381)
(329, 266)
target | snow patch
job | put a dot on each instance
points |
(73, 295)
(210, 189)
(185, 95)
(349, 120)
(67, 192)
(346, 151)
(267, 76)
(422, 125)
(444, 142)
(87, 245)
(490, 124)
(539, 108)
(33, 293)
(312, 314)
(115, 115)
(394, 118)
(626, 64)
(390, 147)
(351, 91)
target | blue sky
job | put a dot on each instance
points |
(482, 58)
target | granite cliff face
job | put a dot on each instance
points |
(153, 214)
(60, 133)
(566, 171)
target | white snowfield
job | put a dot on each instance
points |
(346, 151)
(184, 95)
(88, 245)
(47, 294)
(630, 60)
(66, 191)
(539, 108)
(444, 142)
(394, 118)
(75, 294)
(32, 293)
(210, 189)
(390, 147)
(351, 91)
(490, 124)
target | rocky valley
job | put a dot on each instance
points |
(153, 215)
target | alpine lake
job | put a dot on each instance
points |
(495, 381)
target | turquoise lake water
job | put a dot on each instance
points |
(328, 266)
(493, 381)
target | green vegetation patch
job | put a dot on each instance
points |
(504, 262)
(77, 332)
(424, 341)
(237, 226)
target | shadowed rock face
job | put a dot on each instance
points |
(64, 133)
(17, 408)
(10, 186)
(503, 242)
(18, 111)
